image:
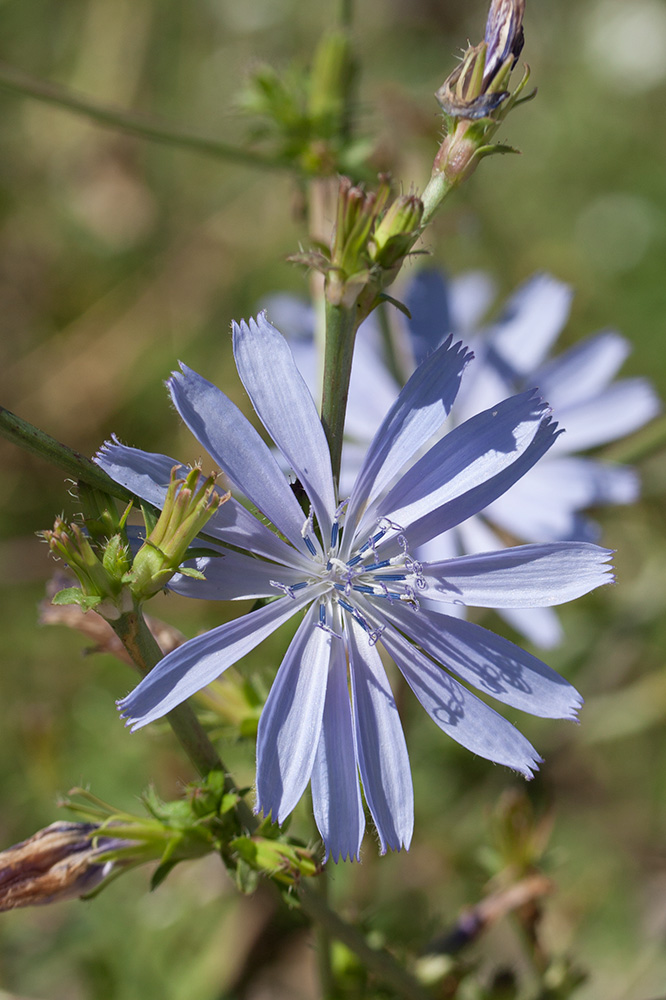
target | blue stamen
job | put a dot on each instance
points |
(310, 546)
(392, 576)
(378, 565)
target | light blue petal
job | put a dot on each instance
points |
(382, 753)
(527, 576)
(198, 662)
(619, 410)
(530, 324)
(427, 298)
(469, 468)
(233, 576)
(458, 712)
(147, 474)
(294, 316)
(539, 625)
(543, 505)
(470, 297)
(487, 661)
(336, 797)
(239, 451)
(372, 389)
(583, 371)
(416, 415)
(285, 406)
(290, 723)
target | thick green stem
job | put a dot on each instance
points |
(378, 961)
(128, 121)
(340, 333)
(76, 465)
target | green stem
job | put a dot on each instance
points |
(129, 121)
(142, 646)
(378, 961)
(76, 465)
(323, 944)
(338, 354)
(346, 12)
(437, 189)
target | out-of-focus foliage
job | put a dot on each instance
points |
(117, 258)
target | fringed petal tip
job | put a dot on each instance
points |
(129, 722)
(104, 451)
(577, 703)
(403, 844)
(339, 856)
(529, 770)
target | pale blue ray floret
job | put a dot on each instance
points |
(348, 565)
(511, 353)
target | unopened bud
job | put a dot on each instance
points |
(100, 579)
(395, 234)
(188, 506)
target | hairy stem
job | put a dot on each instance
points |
(76, 465)
(338, 354)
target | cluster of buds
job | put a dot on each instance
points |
(475, 98)
(69, 860)
(371, 238)
(112, 581)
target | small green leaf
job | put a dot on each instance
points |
(195, 574)
(161, 873)
(74, 595)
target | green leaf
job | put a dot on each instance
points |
(194, 573)
(161, 873)
(74, 595)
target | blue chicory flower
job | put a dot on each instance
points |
(349, 569)
(511, 355)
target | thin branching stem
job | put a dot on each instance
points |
(378, 961)
(76, 465)
(133, 122)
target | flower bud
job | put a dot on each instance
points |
(395, 234)
(477, 87)
(100, 579)
(188, 506)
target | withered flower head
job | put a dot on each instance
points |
(57, 863)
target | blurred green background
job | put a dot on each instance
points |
(118, 257)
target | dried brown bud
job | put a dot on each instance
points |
(56, 863)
